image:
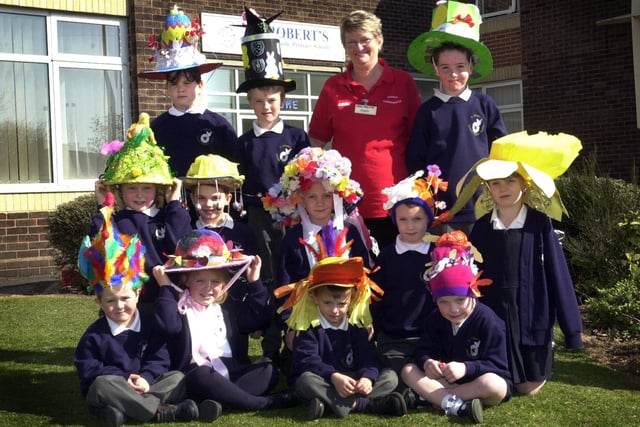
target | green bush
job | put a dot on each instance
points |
(68, 225)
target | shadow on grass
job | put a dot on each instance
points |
(54, 356)
(574, 368)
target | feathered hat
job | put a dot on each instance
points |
(176, 48)
(452, 270)
(313, 164)
(261, 56)
(538, 158)
(419, 190)
(138, 160)
(111, 258)
(330, 269)
(456, 23)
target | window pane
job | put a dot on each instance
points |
(218, 102)
(505, 95)
(23, 34)
(221, 80)
(300, 79)
(25, 155)
(89, 121)
(492, 6)
(88, 39)
(425, 87)
(317, 82)
(513, 121)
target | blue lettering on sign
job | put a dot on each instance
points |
(298, 34)
(290, 104)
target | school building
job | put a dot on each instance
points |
(69, 83)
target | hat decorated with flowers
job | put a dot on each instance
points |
(138, 160)
(455, 23)
(452, 271)
(330, 269)
(312, 164)
(176, 48)
(538, 158)
(419, 190)
(110, 258)
(261, 55)
(211, 169)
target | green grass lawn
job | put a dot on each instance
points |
(39, 385)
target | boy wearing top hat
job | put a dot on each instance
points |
(456, 126)
(461, 359)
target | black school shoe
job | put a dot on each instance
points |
(282, 399)
(472, 409)
(209, 410)
(316, 409)
(391, 404)
(187, 410)
(111, 417)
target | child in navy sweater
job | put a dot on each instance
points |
(461, 359)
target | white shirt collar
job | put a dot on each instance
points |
(277, 128)
(228, 223)
(516, 224)
(151, 212)
(465, 95)
(117, 329)
(195, 110)
(402, 247)
(326, 325)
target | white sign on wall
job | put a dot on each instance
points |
(298, 40)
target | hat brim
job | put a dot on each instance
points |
(162, 74)
(419, 55)
(245, 259)
(227, 182)
(288, 84)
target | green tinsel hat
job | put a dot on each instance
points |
(138, 160)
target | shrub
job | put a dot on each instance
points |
(68, 225)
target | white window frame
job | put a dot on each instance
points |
(56, 60)
(511, 9)
(505, 108)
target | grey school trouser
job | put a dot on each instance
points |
(113, 390)
(310, 385)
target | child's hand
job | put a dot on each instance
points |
(371, 332)
(433, 369)
(364, 386)
(161, 276)
(256, 335)
(453, 371)
(173, 191)
(345, 385)
(138, 383)
(253, 272)
(101, 190)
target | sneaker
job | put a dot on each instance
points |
(111, 417)
(472, 409)
(316, 409)
(209, 410)
(391, 404)
(410, 398)
(187, 410)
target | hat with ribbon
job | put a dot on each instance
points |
(261, 55)
(176, 48)
(452, 271)
(456, 23)
(110, 258)
(538, 158)
(313, 164)
(138, 160)
(211, 169)
(419, 190)
(330, 269)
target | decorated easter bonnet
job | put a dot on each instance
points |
(138, 160)
(261, 55)
(330, 269)
(456, 23)
(211, 169)
(419, 190)
(452, 271)
(538, 158)
(110, 258)
(312, 164)
(176, 48)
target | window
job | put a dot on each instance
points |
(63, 82)
(489, 8)
(222, 97)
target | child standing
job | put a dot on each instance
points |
(206, 326)
(522, 255)
(139, 175)
(399, 318)
(456, 126)
(188, 129)
(264, 150)
(121, 361)
(333, 362)
(461, 359)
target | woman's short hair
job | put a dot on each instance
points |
(360, 20)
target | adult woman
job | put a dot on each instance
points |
(367, 111)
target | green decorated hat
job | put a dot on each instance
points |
(138, 160)
(456, 23)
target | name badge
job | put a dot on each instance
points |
(369, 110)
